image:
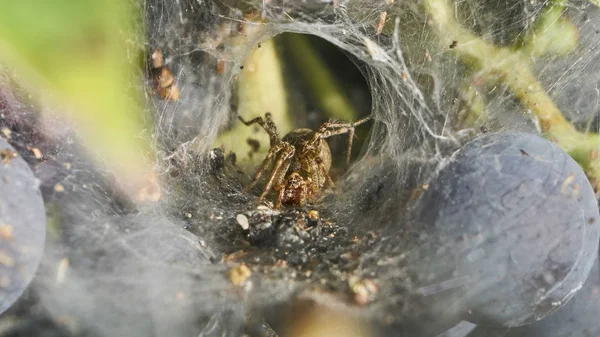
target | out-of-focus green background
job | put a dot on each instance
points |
(76, 57)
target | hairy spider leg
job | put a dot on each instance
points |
(272, 152)
(279, 197)
(330, 129)
(287, 153)
(280, 180)
(267, 124)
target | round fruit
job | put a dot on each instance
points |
(22, 225)
(512, 224)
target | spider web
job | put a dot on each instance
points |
(158, 272)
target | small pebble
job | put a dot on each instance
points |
(36, 152)
(243, 221)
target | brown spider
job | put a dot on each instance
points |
(303, 159)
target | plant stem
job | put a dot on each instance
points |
(512, 67)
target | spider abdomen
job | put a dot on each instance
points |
(301, 140)
(311, 160)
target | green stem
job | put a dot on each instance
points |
(513, 68)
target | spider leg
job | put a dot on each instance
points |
(272, 152)
(267, 124)
(279, 197)
(349, 150)
(280, 183)
(284, 157)
(330, 129)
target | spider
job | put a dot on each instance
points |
(303, 159)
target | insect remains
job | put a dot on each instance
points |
(164, 80)
(302, 161)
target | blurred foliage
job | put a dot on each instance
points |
(74, 55)
(323, 85)
(552, 34)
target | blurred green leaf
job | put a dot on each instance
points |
(324, 88)
(75, 54)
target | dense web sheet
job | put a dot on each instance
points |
(440, 74)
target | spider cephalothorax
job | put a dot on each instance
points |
(302, 161)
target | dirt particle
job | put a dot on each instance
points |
(220, 66)
(313, 215)
(6, 132)
(7, 232)
(364, 290)
(169, 93)
(36, 152)
(235, 256)
(157, 59)
(239, 274)
(568, 181)
(7, 156)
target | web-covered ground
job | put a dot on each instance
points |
(440, 73)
